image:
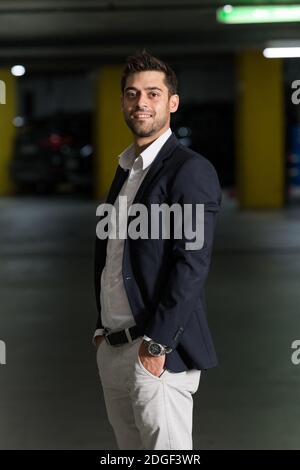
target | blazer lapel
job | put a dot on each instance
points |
(117, 184)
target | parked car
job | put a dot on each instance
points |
(53, 151)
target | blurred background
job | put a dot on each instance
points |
(61, 130)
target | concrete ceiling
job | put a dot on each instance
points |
(72, 32)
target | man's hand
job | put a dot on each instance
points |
(154, 364)
(98, 341)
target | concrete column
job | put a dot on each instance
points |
(260, 132)
(111, 133)
(7, 129)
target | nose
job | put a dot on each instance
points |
(142, 101)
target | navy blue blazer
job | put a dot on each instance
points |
(164, 281)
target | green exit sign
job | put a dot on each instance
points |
(259, 14)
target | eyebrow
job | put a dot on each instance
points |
(148, 88)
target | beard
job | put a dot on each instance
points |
(144, 128)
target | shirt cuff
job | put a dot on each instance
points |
(98, 332)
(147, 338)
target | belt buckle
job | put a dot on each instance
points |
(106, 334)
(128, 335)
(107, 340)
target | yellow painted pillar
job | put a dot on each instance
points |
(7, 129)
(260, 131)
(111, 133)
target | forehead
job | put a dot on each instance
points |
(146, 79)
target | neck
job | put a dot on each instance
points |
(141, 143)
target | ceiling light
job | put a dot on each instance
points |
(18, 70)
(259, 14)
(281, 52)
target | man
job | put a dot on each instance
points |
(152, 336)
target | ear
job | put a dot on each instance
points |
(173, 103)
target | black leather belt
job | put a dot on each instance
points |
(123, 336)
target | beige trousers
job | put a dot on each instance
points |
(146, 412)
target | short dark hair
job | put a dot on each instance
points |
(143, 62)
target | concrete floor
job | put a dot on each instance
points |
(50, 396)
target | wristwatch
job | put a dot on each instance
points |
(156, 349)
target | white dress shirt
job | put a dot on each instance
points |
(116, 312)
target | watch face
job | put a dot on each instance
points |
(155, 349)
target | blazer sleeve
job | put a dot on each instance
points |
(196, 182)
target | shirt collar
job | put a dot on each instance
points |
(127, 157)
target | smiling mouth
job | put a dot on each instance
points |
(141, 116)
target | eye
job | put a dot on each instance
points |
(130, 94)
(154, 94)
